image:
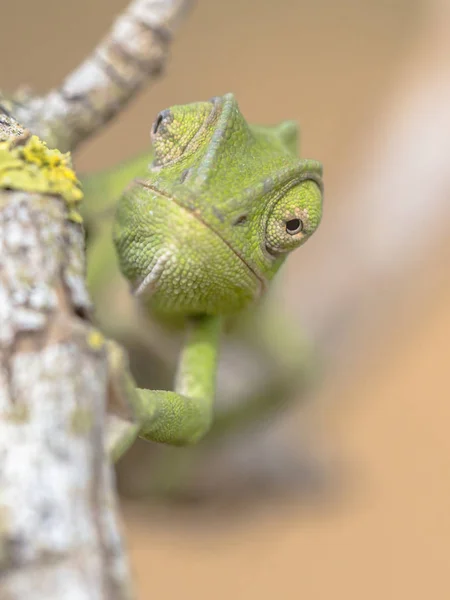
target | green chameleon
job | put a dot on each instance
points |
(199, 233)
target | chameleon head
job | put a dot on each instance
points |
(222, 205)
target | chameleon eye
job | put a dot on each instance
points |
(294, 226)
(179, 131)
(293, 218)
(158, 121)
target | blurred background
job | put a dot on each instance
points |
(369, 82)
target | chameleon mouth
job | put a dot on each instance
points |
(152, 278)
(148, 284)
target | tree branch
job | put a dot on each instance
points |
(59, 536)
(132, 54)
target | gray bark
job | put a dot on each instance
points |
(59, 535)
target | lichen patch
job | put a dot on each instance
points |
(33, 167)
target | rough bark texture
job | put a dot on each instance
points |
(59, 536)
(131, 55)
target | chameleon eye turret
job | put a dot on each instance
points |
(294, 218)
(177, 132)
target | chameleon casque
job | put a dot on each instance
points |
(201, 231)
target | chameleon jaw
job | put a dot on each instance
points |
(150, 281)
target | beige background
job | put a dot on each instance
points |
(329, 65)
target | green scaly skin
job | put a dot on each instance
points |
(201, 232)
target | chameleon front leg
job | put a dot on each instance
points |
(289, 368)
(184, 416)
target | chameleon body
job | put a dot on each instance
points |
(200, 234)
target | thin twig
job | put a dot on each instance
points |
(132, 54)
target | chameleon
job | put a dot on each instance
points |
(205, 224)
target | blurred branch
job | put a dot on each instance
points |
(132, 54)
(396, 203)
(58, 529)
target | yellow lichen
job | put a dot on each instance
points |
(33, 167)
(75, 216)
(95, 339)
